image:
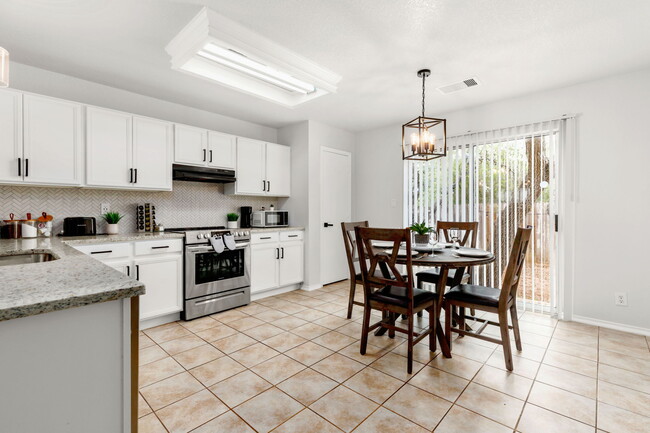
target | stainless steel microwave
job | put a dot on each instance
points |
(270, 218)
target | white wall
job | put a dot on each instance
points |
(41, 81)
(612, 176)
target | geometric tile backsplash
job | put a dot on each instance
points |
(189, 204)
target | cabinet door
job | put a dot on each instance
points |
(108, 148)
(291, 263)
(190, 145)
(264, 267)
(152, 145)
(250, 167)
(52, 141)
(278, 170)
(162, 278)
(124, 266)
(11, 136)
(222, 150)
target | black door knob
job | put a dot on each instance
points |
(328, 225)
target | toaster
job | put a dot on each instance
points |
(79, 226)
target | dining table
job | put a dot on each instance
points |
(445, 258)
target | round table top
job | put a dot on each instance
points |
(449, 258)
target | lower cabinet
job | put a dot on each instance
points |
(276, 260)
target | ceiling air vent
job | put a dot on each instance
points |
(465, 84)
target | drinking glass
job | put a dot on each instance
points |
(454, 234)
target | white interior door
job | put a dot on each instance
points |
(336, 207)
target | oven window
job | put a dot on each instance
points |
(211, 266)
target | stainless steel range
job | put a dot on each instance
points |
(217, 273)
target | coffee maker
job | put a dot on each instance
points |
(246, 212)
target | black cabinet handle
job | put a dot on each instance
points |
(160, 248)
(20, 163)
(128, 271)
(263, 185)
(203, 155)
(269, 186)
(266, 237)
(277, 253)
(282, 248)
(137, 272)
(26, 167)
(328, 225)
(136, 176)
(130, 175)
(210, 155)
(101, 252)
(292, 236)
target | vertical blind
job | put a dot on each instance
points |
(504, 179)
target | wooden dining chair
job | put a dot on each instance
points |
(351, 254)
(389, 291)
(492, 300)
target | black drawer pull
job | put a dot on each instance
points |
(101, 252)
(19, 164)
(266, 237)
(292, 236)
(160, 248)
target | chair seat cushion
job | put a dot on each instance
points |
(473, 294)
(432, 275)
(396, 295)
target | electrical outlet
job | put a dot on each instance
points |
(104, 208)
(621, 299)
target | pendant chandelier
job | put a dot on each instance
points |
(424, 138)
(4, 68)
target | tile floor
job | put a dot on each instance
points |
(291, 363)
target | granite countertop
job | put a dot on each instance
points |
(122, 237)
(275, 229)
(73, 280)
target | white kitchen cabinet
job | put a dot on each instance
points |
(126, 151)
(291, 263)
(11, 136)
(222, 150)
(265, 267)
(277, 259)
(262, 169)
(52, 141)
(190, 145)
(162, 276)
(124, 266)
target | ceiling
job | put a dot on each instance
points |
(514, 47)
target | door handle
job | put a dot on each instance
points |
(130, 175)
(136, 176)
(263, 185)
(137, 272)
(101, 252)
(282, 248)
(20, 163)
(328, 225)
(269, 186)
(203, 155)
(26, 167)
(277, 253)
(160, 248)
(210, 155)
(128, 270)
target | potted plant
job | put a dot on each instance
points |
(112, 218)
(421, 235)
(232, 220)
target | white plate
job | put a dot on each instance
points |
(383, 244)
(472, 252)
(402, 253)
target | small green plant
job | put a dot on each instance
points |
(232, 216)
(421, 228)
(112, 217)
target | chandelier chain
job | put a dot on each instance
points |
(423, 78)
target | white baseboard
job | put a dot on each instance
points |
(611, 325)
(311, 288)
(266, 294)
(160, 320)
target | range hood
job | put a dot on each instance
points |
(202, 174)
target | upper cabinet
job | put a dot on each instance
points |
(42, 144)
(126, 151)
(196, 146)
(262, 169)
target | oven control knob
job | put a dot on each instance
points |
(199, 236)
(206, 235)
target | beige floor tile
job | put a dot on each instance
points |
(626, 362)
(458, 365)
(182, 344)
(373, 384)
(289, 322)
(310, 330)
(216, 371)
(440, 383)
(144, 341)
(150, 424)
(385, 421)
(285, 341)
(504, 381)
(338, 367)
(228, 422)
(459, 420)
(571, 363)
(268, 410)
(277, 369)
(158, 370)
(191, 412)
(216, 333)
(332, 322)
(577, 327)
(233, 343)
(245, 323)
(329, 307)
(239, 388)
(540, 319)
(263, 332)
(310, 314)
(624, 398)
(579, 350)
(467, 349)
(372, 354)
(170, 390)
(521, 366)
(201, 324)
(306, 422)
(613, 419)
(421, 352)
(418, 406)
(229, 316)
(536, 328)
(576, 337)
(352, 329)
(344, 408)
(396, 366)
(271, 315)
(610, 336)
(564, 402)
(143, 407)
(307, 386)
(564, 379)
(163, 333)
(534, 419)
(635, 351)
(309, 353)
(254, 308)
(384, 341)
(626, 378)
(491, 404)
(334, 340)
(534, 353)
(291, 308)
(151, 354)
(254, 354)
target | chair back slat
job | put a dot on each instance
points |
(469, 231)
(350, 243)
(516, 261)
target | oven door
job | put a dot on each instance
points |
(207, 272)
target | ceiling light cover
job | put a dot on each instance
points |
(424, 138)
(4, 67)
(215, 48)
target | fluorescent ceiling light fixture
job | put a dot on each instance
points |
(215, 48)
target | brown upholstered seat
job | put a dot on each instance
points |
(480, 295)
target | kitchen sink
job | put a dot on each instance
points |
(24, 259)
